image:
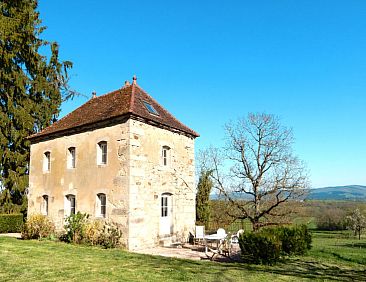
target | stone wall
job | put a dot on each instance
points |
(133, 179)
(149, 179)
(87, 179)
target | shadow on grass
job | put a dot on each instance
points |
(292, 268)
(317, 270)
(361, 261)
(356, 245)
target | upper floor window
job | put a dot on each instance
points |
(47, 161)
(71, 155)
(165, 155)
(70, 204)
(102, 152)
(101, 204)
(44, 207)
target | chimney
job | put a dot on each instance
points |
(134, 80)
(94, 94)
(127, 83)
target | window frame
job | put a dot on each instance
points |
(164, 205)
(102, 205)
(47, 161)
(102, 154)
(71, 198)
(44, 207)
(71, 157)
(150, 108)
(165, 155)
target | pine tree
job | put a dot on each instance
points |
(31, 89)
(203, 197)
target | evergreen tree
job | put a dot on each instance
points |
(31, 89)
(203, 197)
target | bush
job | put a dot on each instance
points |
(259, 248)
(111, 235)
(37, 227)
(11, 223)
(75, 227)
(103, 234)
(267, 245)
(93, 232)
(294, 240)
(82, 231)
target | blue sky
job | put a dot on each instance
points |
(209, 62)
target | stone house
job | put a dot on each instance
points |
(120, 157)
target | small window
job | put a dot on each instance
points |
(165, 155)
(164, 206)
(71, 204)
(44, 207)
(150, 108)
(71, 154)
(47, 161)
(102, 152)
(102, 203)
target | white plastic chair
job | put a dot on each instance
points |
(221, 232)
(199, 233)
(235, 237)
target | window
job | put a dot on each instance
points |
(71, 157)
(164, 205)
(165, 155)
(70, 204)
(150, 108)
(102, 152)
(101, 204)
(44, 207)
(47, 161)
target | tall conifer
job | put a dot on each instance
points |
(31, 88)
(204, 188)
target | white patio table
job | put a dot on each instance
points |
(218, 239)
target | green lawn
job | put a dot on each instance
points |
(333, 257)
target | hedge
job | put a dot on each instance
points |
(267, 246)
(259, 248)
(11, 223)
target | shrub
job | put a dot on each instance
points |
(81, 230)
(11, 223)
(102, 233)
(37, 227)
(294, 240)
(111, 235)
(75, 227)
(93, 232)
(267, 245)
(259, 248)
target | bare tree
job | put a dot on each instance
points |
(257, 171)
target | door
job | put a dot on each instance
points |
(166, 214)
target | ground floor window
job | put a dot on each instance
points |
(101, 205)
(70, 204)
(44, 207)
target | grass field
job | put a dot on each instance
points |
(334, 256)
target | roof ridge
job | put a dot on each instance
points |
(132, 100)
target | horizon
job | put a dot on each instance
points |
(207, 65)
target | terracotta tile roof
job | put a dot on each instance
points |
(129, 100)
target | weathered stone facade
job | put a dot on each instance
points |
(134, 179)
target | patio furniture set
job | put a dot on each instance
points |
(219, 243)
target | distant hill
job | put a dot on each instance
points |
(349, 193)
(339, 193)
